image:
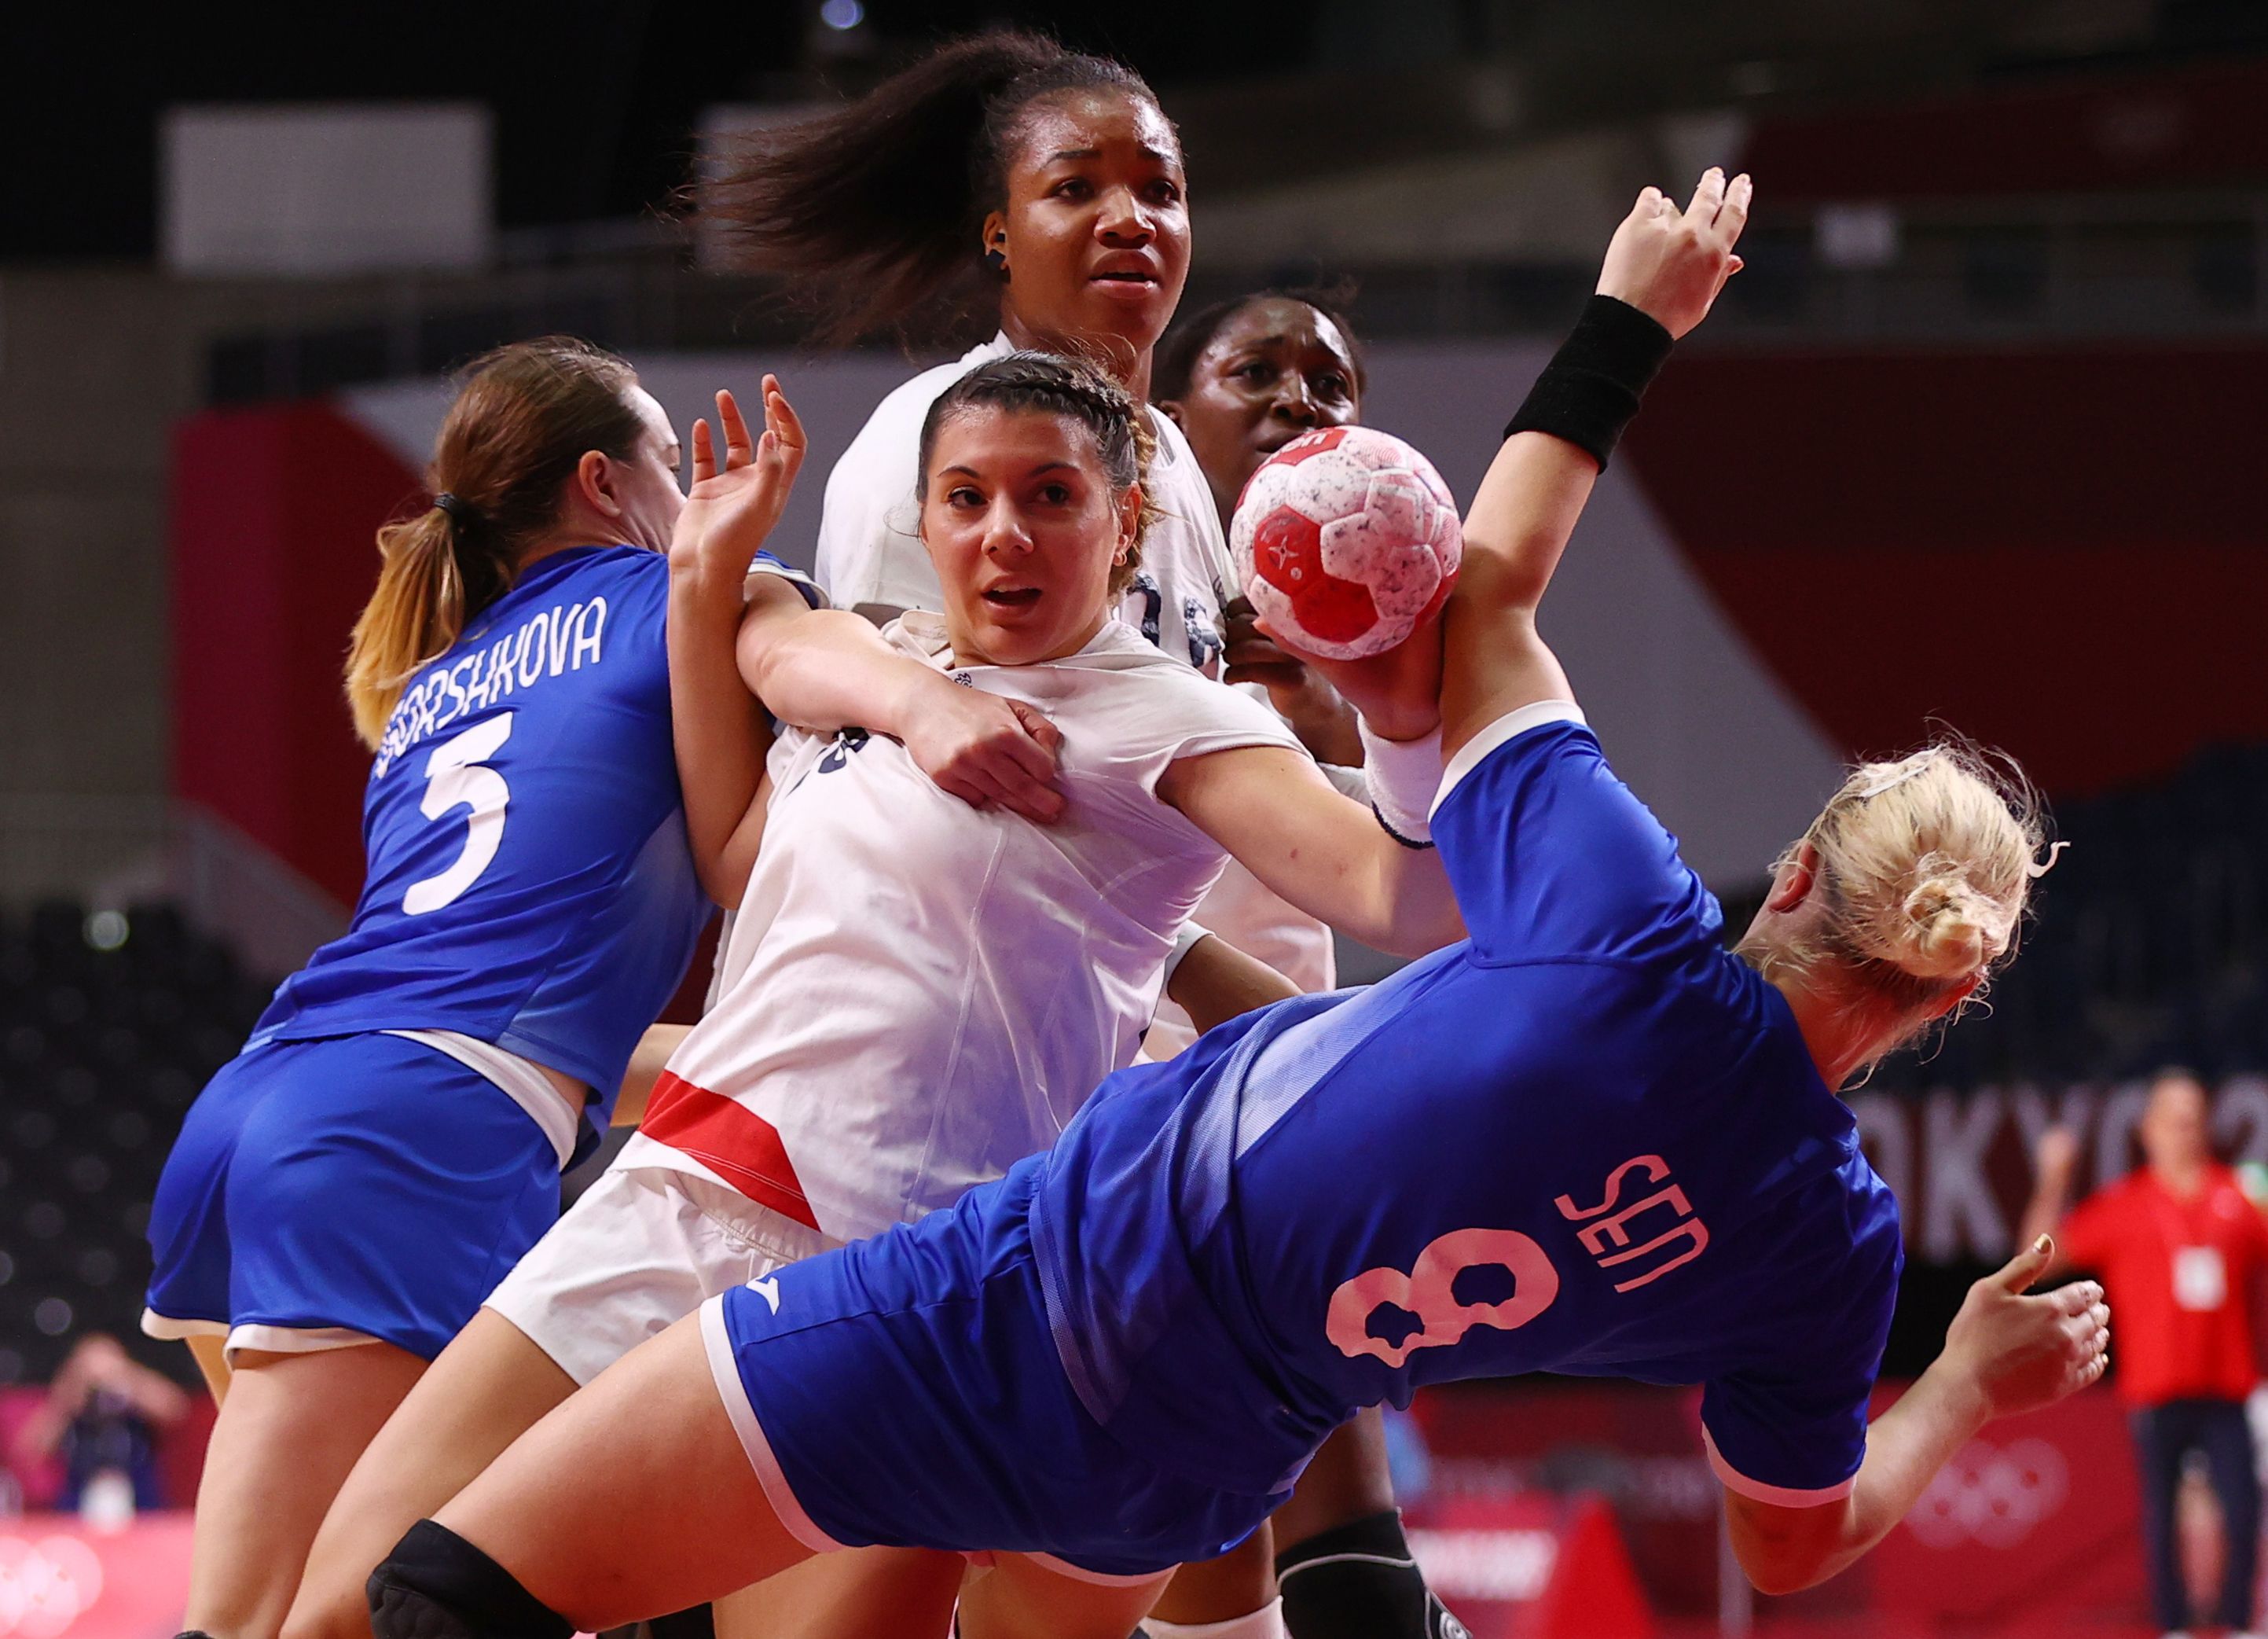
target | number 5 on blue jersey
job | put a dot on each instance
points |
(454, 779)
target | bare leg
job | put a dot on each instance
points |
(1020, 1598)
(488, 1387)
(1345, 1567)
(1240, 1582)
(605, 1554)
(211, 1356)
(862, 1593)
(290, 1428)
(1346, 1481)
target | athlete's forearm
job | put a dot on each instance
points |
(1275, 813)
(1216, 982)
(1417, 910)
(648, 1059)
(716, 725)
(1784, 1550)
(833, 670)
(1522, 518)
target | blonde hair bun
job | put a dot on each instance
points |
(1925, 865)
(1950, 931)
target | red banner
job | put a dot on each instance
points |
(60, 1580)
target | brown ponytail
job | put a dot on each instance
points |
(523, 419)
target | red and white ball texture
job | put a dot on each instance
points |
(1346, 540)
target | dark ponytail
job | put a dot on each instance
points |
(873, 211)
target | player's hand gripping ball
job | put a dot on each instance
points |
(1346, 540)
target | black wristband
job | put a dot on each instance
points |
(1590, 390)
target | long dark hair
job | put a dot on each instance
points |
(523, 419)
(872, 211)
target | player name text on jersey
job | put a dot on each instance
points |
(562, 639)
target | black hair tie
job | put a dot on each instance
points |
(461, 512)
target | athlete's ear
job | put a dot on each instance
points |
(1172, 407)
(993, 241)
(1791, 884)
(593, 484)
(1129, 522)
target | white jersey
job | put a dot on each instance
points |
(870, 554)
(916, 994)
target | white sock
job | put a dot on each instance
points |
(1267, 1622)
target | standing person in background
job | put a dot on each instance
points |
(102, 1415)
(1056, 180)
(2179, 1246)
(1242, 379)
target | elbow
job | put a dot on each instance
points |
(1780, 1579)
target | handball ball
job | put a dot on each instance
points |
(1346, 540)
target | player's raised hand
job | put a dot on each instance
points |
(989, 751)
(733, 507)
(1669, 264)
(2023, 1352)
(1398, 692)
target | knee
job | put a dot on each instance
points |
(328, 1607)
(437, 1585)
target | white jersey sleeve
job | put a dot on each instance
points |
(870, 551)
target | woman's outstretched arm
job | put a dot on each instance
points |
(720, 733)
(1275, 812)
(2007, 1352)
(1668, 265)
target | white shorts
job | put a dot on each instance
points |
(640, 1251)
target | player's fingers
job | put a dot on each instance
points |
(2027, 1265)
(1708, 197)
(739, 450)
(1649, 204)
(780, 415)
(1733, 216)
(1035, 799)
(2077, 1298)
(704, 452)
(1276, 674)
(970, 791)
(1041, 729)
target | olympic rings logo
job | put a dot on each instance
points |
(1991, 1496)
(45, 1586)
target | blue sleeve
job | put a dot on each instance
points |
(1794, 1431)
(1551, 857)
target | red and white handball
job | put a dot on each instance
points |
(1346, 540)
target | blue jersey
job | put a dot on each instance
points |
(530, 881)
(1586, 1141)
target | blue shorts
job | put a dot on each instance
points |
(905, 1390)
(331, 1192)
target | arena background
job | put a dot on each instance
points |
(1975, 437)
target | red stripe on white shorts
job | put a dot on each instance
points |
(735, 1143)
